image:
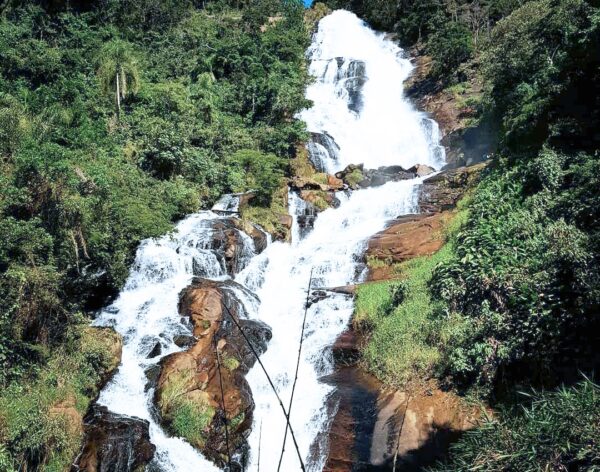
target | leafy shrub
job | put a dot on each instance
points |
(449, 46)
(555, 431)
(253, 170)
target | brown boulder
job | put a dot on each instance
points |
(406, 238)
(421, 170)
(114, 442)
(189, 386)
(322, 181)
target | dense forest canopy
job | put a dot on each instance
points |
(117, 118)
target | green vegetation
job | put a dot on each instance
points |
(407, 335)
(270, 218)
(117, 119)
(230, 363)
(40, 421)
(354, 178)
(555, 431)
(190, 421)
(452, 32)
(511, 302)
(403, 345)
(188, 417)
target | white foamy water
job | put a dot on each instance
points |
(372, 123)
(359, 116)
(386, 130)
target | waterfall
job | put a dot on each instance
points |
(359, 116)
(359, 106)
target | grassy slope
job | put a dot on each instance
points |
(406, 331)
(40, 419)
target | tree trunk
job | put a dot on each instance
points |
(118, 96)
(123, 84)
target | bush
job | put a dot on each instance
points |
(555, 431)
(449, 47)
(253, 170)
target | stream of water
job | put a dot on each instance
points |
(359, 116)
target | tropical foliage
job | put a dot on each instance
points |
(116, 119)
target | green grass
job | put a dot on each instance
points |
(354, 178)
(557, 431)
(187, 417)
(403, 345)
(191, 419)
(407, 333)
(230, 363)
(41, 417)
(320, 178)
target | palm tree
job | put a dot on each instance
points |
(118, 70)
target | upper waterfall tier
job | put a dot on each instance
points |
(358, 99)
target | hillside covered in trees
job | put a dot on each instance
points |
(116, 119)
(513, 298)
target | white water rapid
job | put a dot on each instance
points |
(359, 116)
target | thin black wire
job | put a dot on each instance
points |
(259, 444)
(400, 431)
(222, 400)
(270, 383)
(297, 368)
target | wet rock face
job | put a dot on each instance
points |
(407, 237)
(322, 147)
(357, 177)
(352, 74)
(114, 443)
(191, 380)
(442, 191)
(228, 239)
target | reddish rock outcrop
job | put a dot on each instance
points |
(406, 238)
(373, 424)
(190, 381)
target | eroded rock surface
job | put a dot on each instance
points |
(357, 177)
(230, 240)
(407, 237)
(443, 191)
(189, 382)
(114, 443)
(374, 424)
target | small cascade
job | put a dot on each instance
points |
(303, 214)
(437, 152)
(146, 315)
(322, 149)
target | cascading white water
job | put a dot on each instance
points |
(145, 313)
(372, 123)
(386, 130)
(359, 116)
